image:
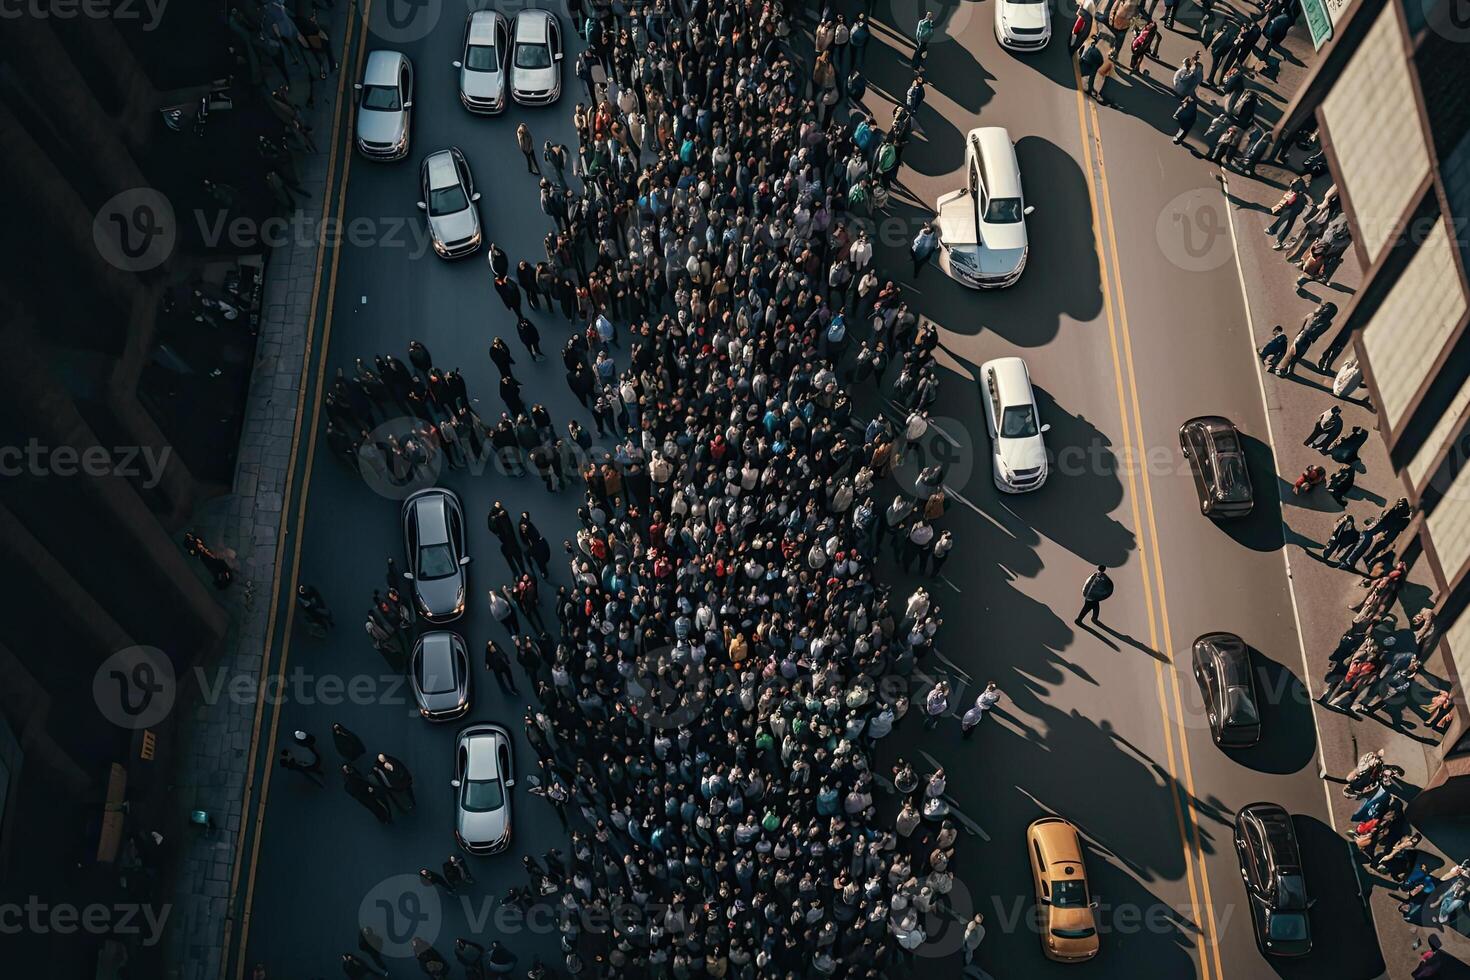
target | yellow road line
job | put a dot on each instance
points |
(1188, 846)
(1167, 648)
(306, 486)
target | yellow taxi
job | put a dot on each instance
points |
(1066, 911)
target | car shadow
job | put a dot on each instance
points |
(1288, 736)
(1344, 943)
(1261, 529)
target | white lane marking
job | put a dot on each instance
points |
(1285, 548)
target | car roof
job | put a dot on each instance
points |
(382, 67)
(438, 660)
(1011, 378)
(440, 165)
(998, 154)
(431, 518)
(484, 735)
(1061, 845)
(482, 27)
(1213, 423)
(1279, 833)
(533, 25)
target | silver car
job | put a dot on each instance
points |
(440, 673)
(535, 54)
(484, 773)
(449, 198)
(384, 101)
(433, 539)
(482, 66)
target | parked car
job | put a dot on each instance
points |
(1018, 451)
(535, 73)
(1066, 910)
(1212, 445)
(484, 774)
(434, 541)
(1271, 864)
(1023, 25)
(449, 199)
(482, 65)
(440, 673)
(384, 106)
(982, 226)
(1222, 668)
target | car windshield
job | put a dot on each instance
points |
(1231, 482)
(483, 795)
(437, 678)
(1291, 892)
(482, 57)
(436, 561)
(1018, 422)
(447, 200)
(1239, 707)
(1292, 925)
(382, 97)
(1225, 442)
(1074, 933)
(1003, 210)
(533, 56)
(1069, 894)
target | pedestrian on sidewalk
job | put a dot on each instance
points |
(1274, 349)
(1185, 115)
(349, 746)
(986, 700)
(1088, 63)
(527, 147)
(1095, 591)
(1326, 428)
(974, 935)
(1344, 535)
(923, 33)
(1441, 710)
(1340, 483)
(1188, 77)
(503, 609)
(1291, 204)
(1346, 448)
(1295, 351)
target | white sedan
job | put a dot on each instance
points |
(1022, 25)
(982, 226)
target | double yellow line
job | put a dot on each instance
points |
(342, 115)
(1131, 426)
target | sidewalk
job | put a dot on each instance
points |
(215, 738)
(1321, 592)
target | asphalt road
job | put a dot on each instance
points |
(1131, 318)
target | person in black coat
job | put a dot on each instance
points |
(356, 968)
(1274, 349)
(418, 356)
(581, 382)
(458, 391)
(510, 393)
(497, 662)
(566, 293)
(501, 356)
(1326, 428)
(1346, 450)
(530, 337)
(1340, 482)
(349, 746)
(366, 793)
(535, 544)
(510, 294)
(526, 276)
(499, 262)
(1185, 116)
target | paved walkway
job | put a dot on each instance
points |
(215, 739)
(1322, 592)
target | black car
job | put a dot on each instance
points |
(1222, 667)
(1212, 445)
(1271, 864)
(440, 674)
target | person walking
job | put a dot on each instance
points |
(1185, 115)
(1273, 350)
(924, 245)
(986, 700)
(393, 775)
(1326, 428)
(1340, 483)
(1291, 204)
(371, 943)
(1344, 535)
(366, 793)
(356, 968)
(936, 703)
(314, 608)
(349, 746)
(1095, 591)
(530, 338)
(497, 662)
(974, 935)
(535, 545)
(527, 147)
(923, 33)
(433, 879)
(1088, 63)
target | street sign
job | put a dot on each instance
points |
(1319, 22)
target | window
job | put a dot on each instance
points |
(1003, 210)
(447, 200)
(383, 98)
(483, 795)
(436, 561)
(533, 56)
(1018, 422)
(482, 57)
(1070, 894)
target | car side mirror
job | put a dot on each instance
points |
(465, 559)
(422, 207)
(357, 85)
(1029, 208)
(510, 783)
(408, 104)
(473, 197)
(458, 64)
(1046, 427)
(1311, 903)
(408, 575)
(557, 56)
(1096, 901)
(454, 783)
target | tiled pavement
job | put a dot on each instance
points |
(215, 739)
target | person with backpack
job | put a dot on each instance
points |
(1095, 591)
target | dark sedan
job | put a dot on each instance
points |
(1222, 668)
(440, 674)
(433, 538)
(1212, 445)
(1271, 865)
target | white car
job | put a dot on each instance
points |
(384, 104)
(535, 57)
(482, 67)
(982, 226)
(1018, 451)
(449, 201)
(1022, 25)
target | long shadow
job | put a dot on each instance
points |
(1288, 736)
(949, 64)
(1261, 529)
(1344, 942)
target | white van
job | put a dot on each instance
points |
(982, 226)
(1018, 452)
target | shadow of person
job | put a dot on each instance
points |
(1083, 624)
(1136, 643)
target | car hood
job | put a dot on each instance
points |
(1001, 238)
(1022, 454)
(1027, 15)
(535, 79)
(484, 829)
(440, 596)
(457, 227)
(482, 84)
(377, 126)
